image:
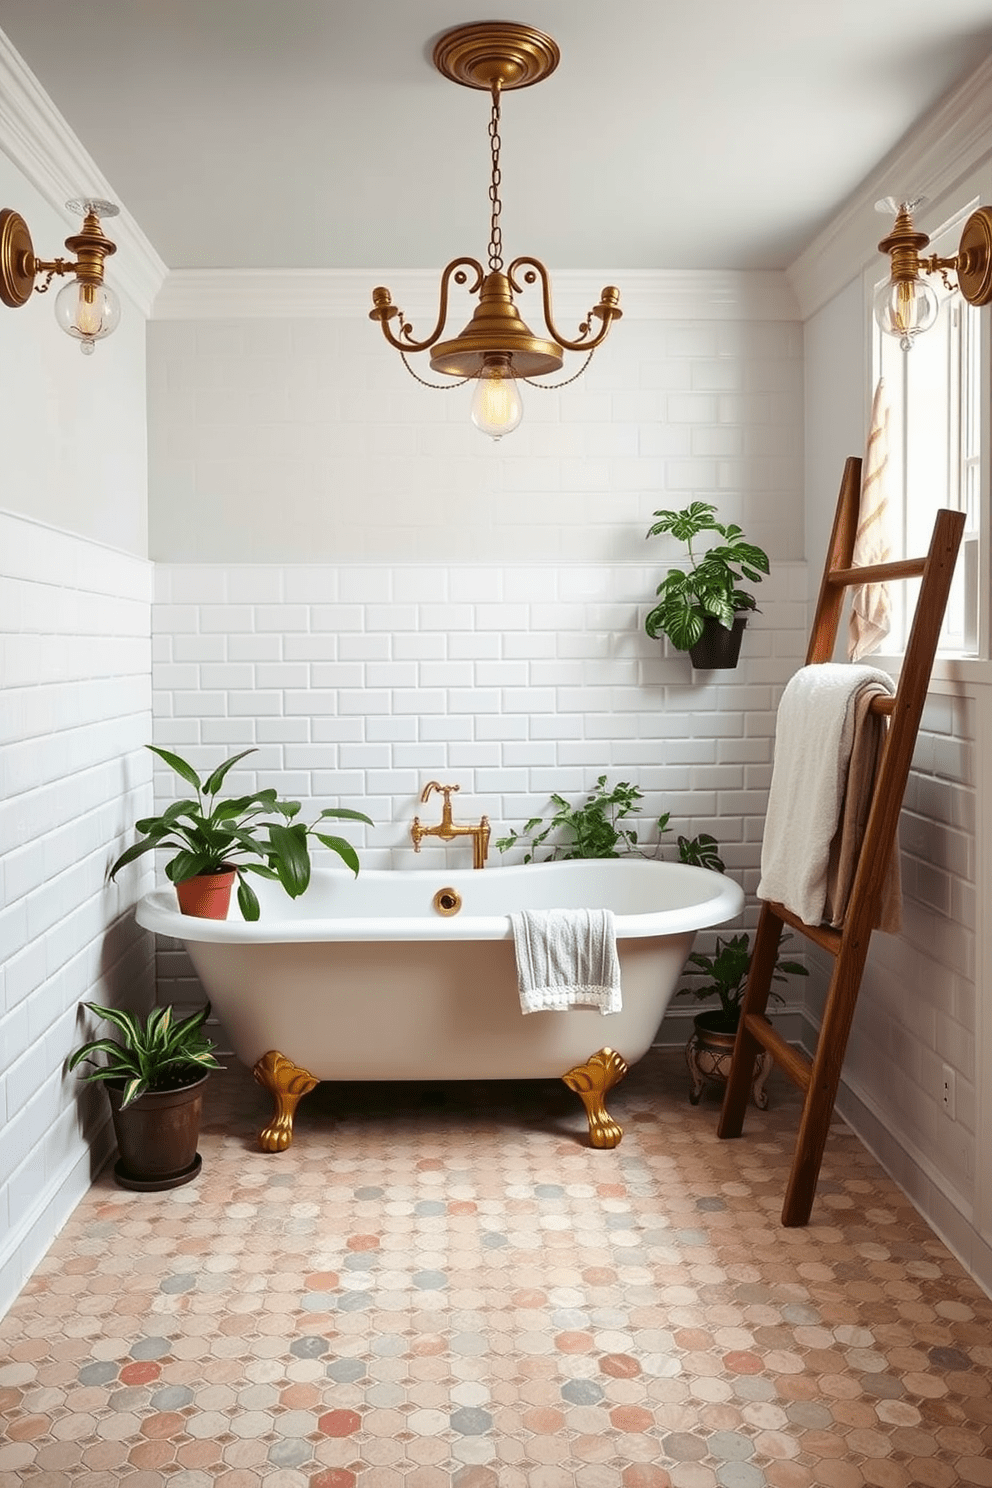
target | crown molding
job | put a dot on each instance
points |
(951, 141)
(39, 143)
(664, 294)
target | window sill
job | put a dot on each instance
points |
(948, 669)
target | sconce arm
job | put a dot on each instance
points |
(607, 310)
(383, 310)
(942, 266)
(56, 266)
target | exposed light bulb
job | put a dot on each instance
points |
(87, 312)
(904, 308)
(497, 407)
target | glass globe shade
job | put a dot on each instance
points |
(497, 407)
(87, 312)
(906, 308)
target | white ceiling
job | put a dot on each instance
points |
(317, 134)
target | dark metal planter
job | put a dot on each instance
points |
(717, 647)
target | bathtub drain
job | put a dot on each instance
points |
(447, 901)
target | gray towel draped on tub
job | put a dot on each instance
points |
(566, 958)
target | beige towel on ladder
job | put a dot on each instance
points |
(870, 606)
(866, 757)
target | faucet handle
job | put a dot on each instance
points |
(433, 785)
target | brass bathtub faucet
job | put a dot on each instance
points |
(447, 829)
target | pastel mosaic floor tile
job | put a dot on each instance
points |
(446, 1287)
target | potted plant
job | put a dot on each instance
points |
(597, 829)
(154, 1077)
(711, 1045)
(220, 840)
(701, 609)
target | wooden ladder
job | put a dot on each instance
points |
(819, 1077)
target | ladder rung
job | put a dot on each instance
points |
(883, 703)
(793, 1061)
(822, 935)
(877, 573)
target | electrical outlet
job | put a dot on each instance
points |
(947, 1091)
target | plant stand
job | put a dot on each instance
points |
(709, 1053)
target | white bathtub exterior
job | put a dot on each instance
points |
(361, 979)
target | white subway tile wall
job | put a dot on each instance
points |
(301, 440)
(524, 688)
(917, 1010)
(75, 709)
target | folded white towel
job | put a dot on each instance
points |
(814, 731)
(566, 958)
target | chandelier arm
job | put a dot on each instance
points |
(383, 310)
(607, 310)
(439, 387)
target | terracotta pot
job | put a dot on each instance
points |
(717, 647)
(208, 896)
(157, 1136)
(709, 1052)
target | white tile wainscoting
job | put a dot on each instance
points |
(75, 708)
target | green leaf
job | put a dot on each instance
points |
(703, 851)
(683, 625)
(247, 899)
(127, 1022)
(290, 858)
(216, 780)
(179, 765)
(344, 850)
(345, 813)
(97, 1046)
(187, 865)
(686, 524)
(132, 853)
(721, 609)
(132, 1090)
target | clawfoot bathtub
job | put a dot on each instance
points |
(411, 976)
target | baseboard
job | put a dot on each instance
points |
(945, 1210)
(26, 1246)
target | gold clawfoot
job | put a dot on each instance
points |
(591, 1081)
(289, 1084)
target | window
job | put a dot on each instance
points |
(936, 427)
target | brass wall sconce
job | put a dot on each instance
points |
(86, 308)
(906, 304)
(496, 349)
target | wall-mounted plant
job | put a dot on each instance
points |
(599, 829)
(696, 604)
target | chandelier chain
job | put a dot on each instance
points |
(495, 231)
(439, 387)
(549, 387)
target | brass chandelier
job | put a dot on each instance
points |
(497, 348)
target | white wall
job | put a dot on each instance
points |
(291, 438)
(72, 427)
(75, 663)
(926, 997)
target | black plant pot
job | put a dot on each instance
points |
(157, 1136)
(717, 647)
